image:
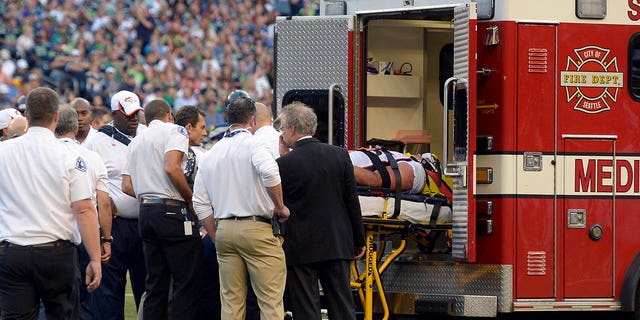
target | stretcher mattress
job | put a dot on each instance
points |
(412, 211)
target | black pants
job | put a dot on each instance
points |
(126, 256)
(304, 293)
(169, 254)
(84, 298)
(29, 274)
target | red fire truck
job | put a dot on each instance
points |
(534, 110)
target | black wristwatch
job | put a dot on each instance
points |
(106, 240)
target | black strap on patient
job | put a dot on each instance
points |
(434, 214)
(394, 166)
(114, 133)
(380, 167)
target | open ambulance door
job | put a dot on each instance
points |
(461, 164)
(313, 64)
(419, 36)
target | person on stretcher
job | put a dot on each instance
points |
(412, 172)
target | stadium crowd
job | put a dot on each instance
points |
(187, 52)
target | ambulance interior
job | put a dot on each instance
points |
(406, 103)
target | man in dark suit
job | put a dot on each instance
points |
(325, 231)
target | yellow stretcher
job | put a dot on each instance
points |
(375, 263)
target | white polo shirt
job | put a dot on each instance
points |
(39, 179)
(113, 154)
(95, 167)
(145, 159)
(271, 139)
(232, 177)
(91, 133)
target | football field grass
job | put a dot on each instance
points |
(129, 303)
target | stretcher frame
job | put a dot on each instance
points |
(376, 230)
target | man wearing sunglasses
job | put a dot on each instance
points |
(111, 143)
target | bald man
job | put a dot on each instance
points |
(265, 131)
(83, 108)
(17, 127)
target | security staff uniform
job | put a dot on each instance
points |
(171, 240)
(126, 248)
(99, 180)
(39, 180)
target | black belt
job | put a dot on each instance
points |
(249, 218)
(52, 244)
(167, 202)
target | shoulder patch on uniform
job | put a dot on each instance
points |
(81, 165)
(183, 131)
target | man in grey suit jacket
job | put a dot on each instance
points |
(325, 231)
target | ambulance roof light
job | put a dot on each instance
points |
(591, 9)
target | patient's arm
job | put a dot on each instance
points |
(366, 177)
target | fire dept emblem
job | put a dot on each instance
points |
(591, 79)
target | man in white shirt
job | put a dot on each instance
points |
(171, 239)
(42, 222)
(240, 179)
(192, 119)
(264, 130)
(83, 108)
(66, 132)
(111, 143)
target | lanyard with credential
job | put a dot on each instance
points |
(235, 132)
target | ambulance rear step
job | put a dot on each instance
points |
(401, 303)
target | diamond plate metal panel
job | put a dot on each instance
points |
(450, 279)
(311, 53)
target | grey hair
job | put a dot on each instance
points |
(80, 102)
(67, 121)
(300, 116)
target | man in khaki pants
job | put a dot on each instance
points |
(240, 179)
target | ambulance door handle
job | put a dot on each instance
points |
(330, 120)
(445, 130)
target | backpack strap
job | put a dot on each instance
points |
(394, 166)
(380, 167)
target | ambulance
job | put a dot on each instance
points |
(533, 108)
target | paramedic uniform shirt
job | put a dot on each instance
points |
(96, 169)
(126, 248)
(39, 179)
(172, 245)
(233, 175)
(113, 155)
(145, 159)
